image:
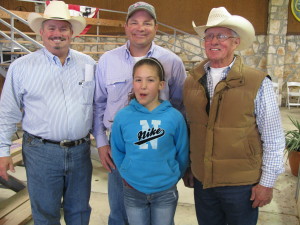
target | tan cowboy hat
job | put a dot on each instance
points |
(220, 17)
(56, 10)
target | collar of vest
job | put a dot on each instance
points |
(235, 76)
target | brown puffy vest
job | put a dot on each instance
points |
(225, 145)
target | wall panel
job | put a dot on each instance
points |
(178, 13)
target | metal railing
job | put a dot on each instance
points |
(176, 33)
(14, 45)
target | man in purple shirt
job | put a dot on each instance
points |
(114, 83)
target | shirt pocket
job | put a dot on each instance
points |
(118, 88)
(87, 92)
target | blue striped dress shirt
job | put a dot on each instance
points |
(269, 126)
(53, 100)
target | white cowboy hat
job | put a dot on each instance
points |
(220, 17)
(56, 10)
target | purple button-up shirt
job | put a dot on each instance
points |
(114, 83)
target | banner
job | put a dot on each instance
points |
(84, 11)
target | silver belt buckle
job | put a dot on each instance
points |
(62, 143)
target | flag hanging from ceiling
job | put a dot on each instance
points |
(84, 11)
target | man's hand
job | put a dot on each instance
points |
(6, 163)
(188, 178)
(261, 195)
(106, 158)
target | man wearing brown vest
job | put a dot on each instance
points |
(236, 136)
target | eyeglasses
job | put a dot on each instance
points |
(220, 37)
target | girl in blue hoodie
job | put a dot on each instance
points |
(150, 148)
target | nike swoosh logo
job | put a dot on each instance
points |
(149, 139)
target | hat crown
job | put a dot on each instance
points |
(220, 17)
(141, 6)
(57, 9)
(217, 15)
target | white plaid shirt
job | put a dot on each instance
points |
(269, 125)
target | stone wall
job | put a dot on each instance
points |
(292, 59)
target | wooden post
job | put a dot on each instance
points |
(2, 79)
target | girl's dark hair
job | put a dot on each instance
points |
(151, 62)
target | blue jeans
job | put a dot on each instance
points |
(54, 174)
(224, 205)
(150, 209)
(117, 214)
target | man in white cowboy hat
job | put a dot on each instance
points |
(114, 83)
(236, 136)
(51, 91)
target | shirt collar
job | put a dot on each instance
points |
(128, 54)
(55, 59)
(225, 71)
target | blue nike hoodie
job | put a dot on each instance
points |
(150, 148)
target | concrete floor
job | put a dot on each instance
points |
(281, 211)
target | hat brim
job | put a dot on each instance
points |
(35, 21)
(236, 23)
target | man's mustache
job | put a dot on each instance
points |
(57, 38)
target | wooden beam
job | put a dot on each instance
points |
(72, 43)
(16, 53)
(16, 147)
(83, 35)
(2, 79)
(94, 53)
(17, 159)
(8, 205)
(27, 33)
(16, 152)
(16, 209)
(89, 21)
(9, 41)
(4, 65)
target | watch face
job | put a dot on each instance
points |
(295, 7)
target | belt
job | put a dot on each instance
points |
(64, 143)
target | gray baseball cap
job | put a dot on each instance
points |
(141, 6)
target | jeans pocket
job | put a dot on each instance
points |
(29, 140)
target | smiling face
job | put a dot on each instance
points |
(140, 30)
(146, 86)
(220, 53)
(56, 35)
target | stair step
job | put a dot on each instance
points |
(25, 53)
(97, 43)
(15, 53)
(15, 33)
(94, 53)
(103, 35)
(84, 35)
(8, 41)
(4, 64)
(73, 43)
